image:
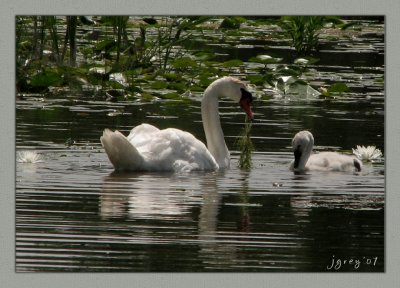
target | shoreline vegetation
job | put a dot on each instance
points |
(130, 57)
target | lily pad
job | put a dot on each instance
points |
(256, 79)
(338, 88)
(159, 85)
(184, 63)
(232, 63)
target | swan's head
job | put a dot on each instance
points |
(245, 102)
(236, 90)
(302, 145)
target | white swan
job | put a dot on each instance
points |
(303, 143)
(148, 148)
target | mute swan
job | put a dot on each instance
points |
(303, 143)
(148, 148)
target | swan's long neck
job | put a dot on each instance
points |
(212, 127)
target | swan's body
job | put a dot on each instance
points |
(303, 143)
(148, 148)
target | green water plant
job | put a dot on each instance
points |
(70, 37)
(304, 31)
(172, 34)
(245, 146)
(231, 22)
(46, 78)
(335, 89)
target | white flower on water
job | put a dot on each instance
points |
(368, 153)
(29, 157)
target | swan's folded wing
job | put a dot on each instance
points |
(122, 154)
(333, 161)
(141, 134)
(177, 150)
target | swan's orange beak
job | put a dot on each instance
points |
(245, 103)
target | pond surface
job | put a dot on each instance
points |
(73, 213)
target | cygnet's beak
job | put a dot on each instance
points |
(297, 156)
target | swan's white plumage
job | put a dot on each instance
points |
(148, 148)
(303, 143)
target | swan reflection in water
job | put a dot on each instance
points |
(168, 200)
(153, 196)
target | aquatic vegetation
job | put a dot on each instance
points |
(231, 22)
(181, 54)
(284, 79)
(304, 31)
(116, 52)
(46, 78)
(29, 157)
(245, 146)
(290, 85)
(369, 153)
(119, 24)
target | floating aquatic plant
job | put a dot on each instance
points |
(29, 157)
(369, 153)
(335, 89)
(245, 146)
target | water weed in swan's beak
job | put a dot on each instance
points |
(245, 146)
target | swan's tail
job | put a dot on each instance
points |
(122, 154)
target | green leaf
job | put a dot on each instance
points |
(159, 85)
(105, 45)
(115, 85)
(178, 86)
(134, 72)
(256, 79)
(46, 79)
(184, 63)
(172, 95)
(172, 76)
(232, 63)
(204, 80)
(204, 55)
(349, 24)
(338, 88)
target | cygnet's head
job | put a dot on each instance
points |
(302, 145)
